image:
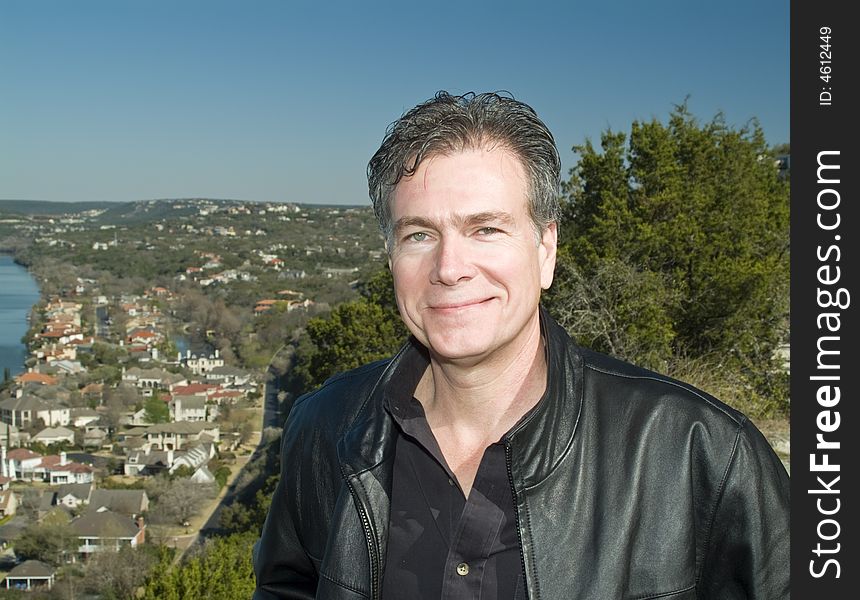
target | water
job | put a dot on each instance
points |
(18, 293)
(184, 343)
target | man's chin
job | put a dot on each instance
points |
(466, 350)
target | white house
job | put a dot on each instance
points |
(200, 365)
(23, 410)
(188, 408)
(55, 435)
(194, 458)
(19, 463)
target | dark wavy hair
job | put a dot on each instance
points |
(447, 124)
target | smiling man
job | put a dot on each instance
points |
(492, 457)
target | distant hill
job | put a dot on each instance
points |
(136, 212)
(145, 211)
(44, 207)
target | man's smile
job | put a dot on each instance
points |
(459, 305)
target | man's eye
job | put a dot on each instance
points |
(418, 236)
(488, 231)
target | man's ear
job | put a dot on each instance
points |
(547, 251)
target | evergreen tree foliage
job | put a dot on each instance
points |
(675, 242)
(156, 410)
(222, 569)
(355, 333)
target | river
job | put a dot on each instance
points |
(18, 293)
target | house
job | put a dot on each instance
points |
(23, 464)
(147, 337)
(188, 408)
(228, 396)
(34, 377)
(229, 375)
(338, 272)
(73, 494)
(54, 435)
(81, 417)
(105, 530)
(132, 437)
(45, 503)
(19, 463)
(194, 458)
(92, 391)
(31, 574)
(196, 389)
(180, 434)
(263, 306)
(52, 352)
(131, 503)
(8, 503)
(23, 410)
(9, 435)
(53, 394)
(292, 274)
(56, 469)
(67, 367)
(202, 475)
(148, 380)
(147, 461)
(136, 419)
(94, 437)
(201, 364)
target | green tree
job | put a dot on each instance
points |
(222, 569)
(156, 409)
(695, 219)
(222, 474)
(50, 540)
(355, 333)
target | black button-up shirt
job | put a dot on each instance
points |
(441, 544)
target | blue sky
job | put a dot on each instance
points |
(287, 100)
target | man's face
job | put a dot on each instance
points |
(468, 268)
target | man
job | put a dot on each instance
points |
(491, 457)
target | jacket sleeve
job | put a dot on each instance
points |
(748, 550)
(282, 567)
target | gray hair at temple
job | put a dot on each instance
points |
(447, 124)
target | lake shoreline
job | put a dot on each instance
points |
(19, 293)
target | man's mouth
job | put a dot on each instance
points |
(458, 305)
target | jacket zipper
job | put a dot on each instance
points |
(509, 466)
(369, 538)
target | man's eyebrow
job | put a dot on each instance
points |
(492, 216)
(404, 222)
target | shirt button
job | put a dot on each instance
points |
(450, 482)
(462, 569)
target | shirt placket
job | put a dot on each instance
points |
(472, 542)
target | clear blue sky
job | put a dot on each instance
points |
(271, 100)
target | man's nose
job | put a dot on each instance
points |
(452, 262)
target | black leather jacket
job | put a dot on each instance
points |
(627, 485)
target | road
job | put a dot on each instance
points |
(208, 522)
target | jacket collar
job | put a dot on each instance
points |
(544, 436)
(538, 442)
(369, 441)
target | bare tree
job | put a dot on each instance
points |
(181, 501)
(118, 574)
